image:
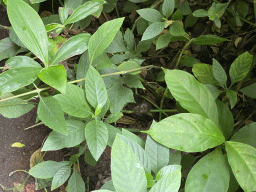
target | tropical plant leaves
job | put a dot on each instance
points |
(153, 30)
(60, 177)
(76, 182)
(151, 15)
(208, 40)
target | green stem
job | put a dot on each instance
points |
(181, 53)
(162, 102)
(61, 3)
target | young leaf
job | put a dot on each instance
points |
(22, 61)
(168, 7)
(125, 162)
(176, 29)
(102, 38)
(163, 41)
(153, 30)
(210, 173)
(209, 40)
(242, 158)
(187, 132)
(151, 15)
(60, 177)
(76, 182)
(219, 73)
(96, 135)
(56, 140)
(232, 97)
(63, 13)
(47, 169)
(50, 113)
(166, 170)
(74, 46)
(95, 89)
(23, 19)
(113, 117)
(191, 94)
(158, 154)
(250, 90)
(8, 49)
(55, 76)
(240, 67)
(204, 73)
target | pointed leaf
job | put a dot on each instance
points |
(250, 90)
(112, 131)
(187, 132)
(50, 113)
(153, 30)
(60, 177)
(204, 73)
(163, 41)
(166, 170)
(55, 76)
(129, 65)
(209, 40)
(23, 19)
(76, 182)
(219, 73)
(113, 117)
(214, 90)
(242, 159)
(151, 15)
(22, 61)
(129, 39)
(168, 7)
(117, 45)
(83, 66)
(134, 137)
(200, 13)
(8, 49)
(125, 162)
(177, 29)
(210, 173)
(232, 97)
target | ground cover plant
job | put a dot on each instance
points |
(211, 150)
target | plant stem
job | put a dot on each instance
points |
(162, 102)
(61, 3)
(5, 27)
(178, 61)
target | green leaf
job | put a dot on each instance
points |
(102, 38)
(55, 76)
(187, 161)
(83, 66)
(214, 90)
(240, 67)
(112, 131)
(53, 26)
(242, 158)
(121, 94)
(232, 97)
(47, 169)
(60, 177)
(89, 158)
(246, 135)
(177, 29)
(14, 108)
(134, 137)
(158, 154)
(163, 41)
(50, 113)
(102, 62)
(204, 73)
(175, 158)
(117, 45)
(96, 134)
(142, 24)
(74, 103)
(13, 79)
(187, 132)
(129, 65)
(219, 73)
(190, 21)
(74, 46)
(15, 39)
(22, 61)
(125, 162)
(210, 173)
(129, 39)
(76, 182)
(95, 89)
(209, 40)
(23, 19)
(166, 170)
(200, 13)
(63, 13)
(191, 94)
(189, 61)
(7, 48)
(113, 117)
(177, 15)
(132, 81)
(151, 15)
(168, 7)
(150, 180)
(153, 30)
(250, 90)
(83, 11)
(226, 120)
(56, 140)
(217, 10)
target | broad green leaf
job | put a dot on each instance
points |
(50, 113)
(200, 13)
(250, 90)
(117, 45)
(209, 174)
(63, 13)
(14, 108)
(187, 132)
(192, 95)
(47, 169)
(53, 26)
(242, 159)
(102, 62)
(109, 6)
(112, 131)
(60, 177)
(141, 24)
(129, 7)
(175, 158)
(23, 19)
(232, 97)
(171, 182)
(187, 161)
(190, 21)
(151, 15)
(121, 94)
(7, 48)
(129, 65)
(56, 140)
(55, 76)
(219, 73)
(76, 182)
(96, 135)
(150, 180)
(153, 30)
(246, 135)
(158, 154)
(189, 61)
(22, 61)
(168, 7)
(90, 159)
(177, 15)
(240, 67)
(204, 73)
(177, 29)
(15, 39)
(166, 170)
(102, 190)
(163, 40)
(102, 38)
(73, 102)
(214, 90)
(226, 120)
(132, 81)
(134, 137)
(83, 11)
(95, 89)
(129, 39)
(217, 10)
(125, 162)
(74, 46)
(138, 1)
(108, 186)
(209, 40)
(113, 117)
(14, 79)
(143, 46)
(83, 66)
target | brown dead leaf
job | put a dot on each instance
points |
(35, 157)
(17, 185)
